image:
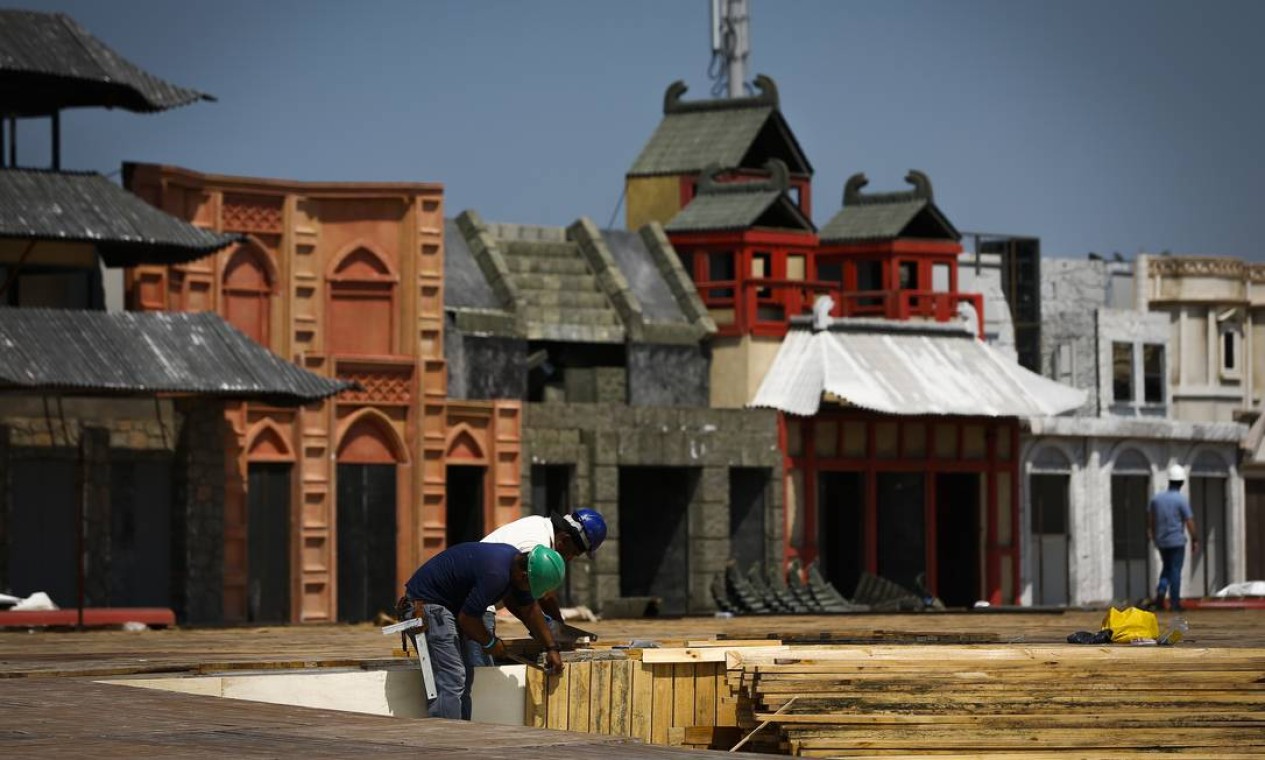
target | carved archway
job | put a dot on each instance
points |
(247, 285)
(464, 447)
(362, 302)
(266, 442)
(368, 437)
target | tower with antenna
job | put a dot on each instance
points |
(731, 45)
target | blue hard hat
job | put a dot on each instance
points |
(590, 526)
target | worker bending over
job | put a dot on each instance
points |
(580, 532)
(451, 591)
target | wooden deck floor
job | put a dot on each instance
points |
(49, 703)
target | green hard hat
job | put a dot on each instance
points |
(545, 570)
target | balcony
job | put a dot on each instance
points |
(763, 306)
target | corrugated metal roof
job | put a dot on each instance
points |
(906, 369)
(99, 352)
(87, 208)
(49, 62)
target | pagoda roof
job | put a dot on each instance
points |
(729, 132)
(726, 206)
(888, 216)
(49, 62)
(87, 208)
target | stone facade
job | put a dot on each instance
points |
(597, 440)
(96, 441)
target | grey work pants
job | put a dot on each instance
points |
(454, 673)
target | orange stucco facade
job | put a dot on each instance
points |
(346, 280)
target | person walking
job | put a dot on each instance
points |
(452, 589)
(1169, 519)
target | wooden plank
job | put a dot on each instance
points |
(535, 704)
(622, 697)
(683, 694)
(600, 697)
(579, 678)
(705, 693)
(643, 701)
(703, 654)
(661, 712)
(557, 689)
(732, 643)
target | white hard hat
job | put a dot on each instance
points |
(1177, 474)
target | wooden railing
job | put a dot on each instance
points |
(764, 306)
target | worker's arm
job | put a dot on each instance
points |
(474, 629)
(549, 605)
(1150, 525)
(534, 618)
(1194, 535)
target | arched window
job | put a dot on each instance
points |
(361, 318)
(247, 290)
(1130, 492)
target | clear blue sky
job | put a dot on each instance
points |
(1105, 126)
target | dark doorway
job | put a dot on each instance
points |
(748, 488)
(42, 535)
(1254, 522)
(841, 513)
(1131, 555)
(957, 538)
(902, 542)
(366, 541)
(1206, 571)
(268, 543)
(1047, 495)
(140, 533)
(551, 489)
(465, 504)
(654, 534)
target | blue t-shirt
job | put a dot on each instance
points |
(467, 578)
(1171, 511)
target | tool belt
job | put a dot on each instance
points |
(417, 608)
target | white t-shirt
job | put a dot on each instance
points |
(526, 534)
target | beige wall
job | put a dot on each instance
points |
(738, 366)
(652, 199)
(1206, 298)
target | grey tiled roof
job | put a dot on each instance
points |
(870, 222)
(696, 134)
(730, 211)
(887, 216)
(740, 205)
(88, 208)
(49, 62)
(144, 353)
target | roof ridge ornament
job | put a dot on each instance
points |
(767, 97)
(779, 180)
(852, 190)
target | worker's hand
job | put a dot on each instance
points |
(497, 650)
(553, 662)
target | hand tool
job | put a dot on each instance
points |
(415, 629)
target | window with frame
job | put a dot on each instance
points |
(908, 275)
(1122, 372)
(720, 268)
(1153, 373)
(1230, 350)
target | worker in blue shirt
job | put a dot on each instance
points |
(1168, 520)
(452, 590)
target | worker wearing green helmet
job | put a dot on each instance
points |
(453, 588)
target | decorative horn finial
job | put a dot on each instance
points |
(921, 183)
(672, 96)
(707, 178)
(779, 175)
(767, 88)
(852, 188)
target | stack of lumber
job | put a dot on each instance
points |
(1003, 701)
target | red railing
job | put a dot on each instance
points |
(764, 306)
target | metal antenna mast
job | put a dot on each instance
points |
(731, 45)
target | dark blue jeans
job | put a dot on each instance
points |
(476, 655)
(1173, 558)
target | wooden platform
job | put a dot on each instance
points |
(51, 704)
